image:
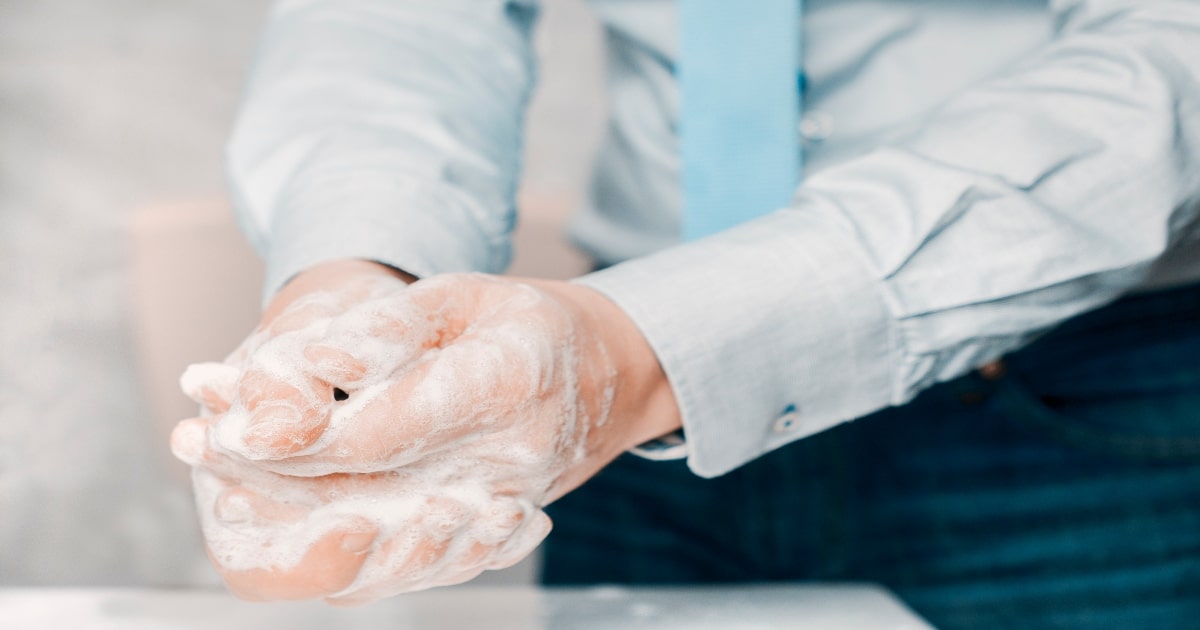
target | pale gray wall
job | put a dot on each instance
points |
(112, 117)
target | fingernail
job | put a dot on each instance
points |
(358, 542)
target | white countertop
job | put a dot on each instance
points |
(819, 607)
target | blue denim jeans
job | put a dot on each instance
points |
(1064, 493)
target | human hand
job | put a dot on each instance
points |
(313, 296)
(525, 375)
(517, 390)
(349, 538)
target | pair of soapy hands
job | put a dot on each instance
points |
(372, 437)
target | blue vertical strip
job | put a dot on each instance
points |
(739, 110)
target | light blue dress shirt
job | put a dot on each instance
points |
(977, 172)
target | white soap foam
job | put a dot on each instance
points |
(508, 465)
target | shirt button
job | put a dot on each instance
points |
(993, 371)
(816, 126)
(787, 423)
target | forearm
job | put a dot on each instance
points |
(1036, 196)
(386, 131)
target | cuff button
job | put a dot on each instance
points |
(788, 422)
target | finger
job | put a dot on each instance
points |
(328, 566)
(335, 366)
(279, 413)
(258, 526)
(308, 311)
(413, 555)
(466, 561)
(468, 388)
(316, 307)
(466, 567)
(284, 407)
(210, 384)
(288, 406)
(189, 440)
(523, 542)
(505, 534)
(417, 565)
(377, 338)
(192, 443)
(479, 382)
(374, 339)
(271, 384)
(498, 519)
(435, 563)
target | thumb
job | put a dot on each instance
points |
(371, 341)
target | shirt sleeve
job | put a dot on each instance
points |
(1032, 197)
(387, 130)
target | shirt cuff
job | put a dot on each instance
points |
(769, 332)
(416, 227)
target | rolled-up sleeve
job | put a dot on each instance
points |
(1040, 194)
(387, 130)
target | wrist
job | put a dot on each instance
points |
(643, 406)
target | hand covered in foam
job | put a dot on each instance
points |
(459, 400)
(297, 313)
(350, 538)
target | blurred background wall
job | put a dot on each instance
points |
(119, 263)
